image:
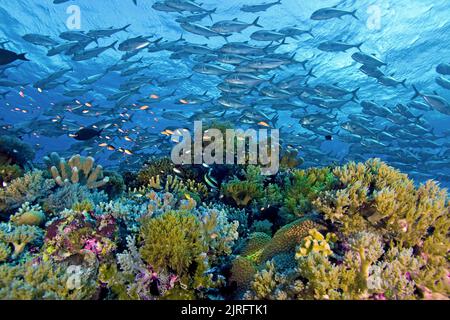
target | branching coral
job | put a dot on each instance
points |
(316, 242)
(5, 251)
(28, 215)
(46, 281)
(304, 186)
(29, 188)
(69, 195)
(159, 167)
(373, 196)
(271, 284)
(19, 236)
(78, 170)
(172, 240)
(174, 184)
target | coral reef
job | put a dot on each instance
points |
(78, 170)
(359, 231)
(29, 188)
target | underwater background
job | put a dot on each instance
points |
(92, 207)
(409, 38)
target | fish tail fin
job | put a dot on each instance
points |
(126, 27)
(113, 45)
(403, 83)
(416, 92)
(359, 46)
(310, 33)
(353, 14)
(255, 23)
(355, 94)
(272, 78)
(311, 74)
(303, 63)
(274, 120)
(211, 12)
(22, 57)
(278, 2)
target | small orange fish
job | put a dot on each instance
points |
(128, 152)
(184, 101)
(87, 104)
(144, 107)
(22, 94)
(154, 96)
(264, 124)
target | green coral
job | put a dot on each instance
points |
(256, 243)
(172, 240)
(271, 284)
(78, 170)
(304, 186)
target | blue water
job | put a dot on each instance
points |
(412, 39)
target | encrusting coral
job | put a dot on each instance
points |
(78, 170)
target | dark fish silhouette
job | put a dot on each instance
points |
(329, 138)
(7, 57)
(86, 134)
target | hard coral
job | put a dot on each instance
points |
(29, 188)
(78, 170)
(289, 237)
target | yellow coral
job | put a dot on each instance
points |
(315, 242)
